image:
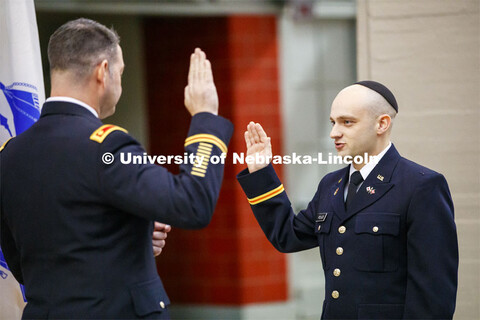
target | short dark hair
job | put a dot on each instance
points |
(79, 45)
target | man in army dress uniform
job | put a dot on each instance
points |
(77, 223)
(386, 231)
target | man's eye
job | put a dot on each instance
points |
(332, 123)
(348, 122)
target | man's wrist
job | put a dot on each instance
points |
(205, 111)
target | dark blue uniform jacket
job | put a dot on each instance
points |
(392, 255)
(78, 232)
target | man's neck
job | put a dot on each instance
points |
(63, 85)
(377, 156)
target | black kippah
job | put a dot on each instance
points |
(382, 90)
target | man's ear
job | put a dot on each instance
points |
(383, 123)
(101, 72)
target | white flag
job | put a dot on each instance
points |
(21, 77)
(21, 96)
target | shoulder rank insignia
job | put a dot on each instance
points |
(5, 144)
(101, 133)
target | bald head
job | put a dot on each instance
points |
(370, 100)
(361, 121)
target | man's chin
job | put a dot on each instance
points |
(343, 153)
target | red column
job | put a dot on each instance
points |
(231, 261)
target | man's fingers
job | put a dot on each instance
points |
(190, 69)
(250, 127)
(256, 136)
(202, 66)
(186, 96)
(208, 71)
(158, 246)
(159, 235)
(159, 243)
(247, 139)
(158, 226)
(196, 65)
(262, 134)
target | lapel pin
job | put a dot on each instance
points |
(336, 191)
(370, 190)
(380, 177)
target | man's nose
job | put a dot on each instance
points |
(335, 132)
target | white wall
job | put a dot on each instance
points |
(429, 52)
(317, 61)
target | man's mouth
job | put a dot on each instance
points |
(339, 145)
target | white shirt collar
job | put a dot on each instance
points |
(365, 171)
(73, 100)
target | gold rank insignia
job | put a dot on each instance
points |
(204, 152)
(380, 177)
(101, 133)
(340, 180)
(336, 191)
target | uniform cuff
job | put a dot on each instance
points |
(260, 185)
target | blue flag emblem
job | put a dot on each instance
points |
(23, 101)
(4, 276)
(25, 110)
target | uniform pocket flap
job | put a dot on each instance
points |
(323, 221)
(149, 297)
(378, 223)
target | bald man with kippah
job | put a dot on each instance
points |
(385, 228)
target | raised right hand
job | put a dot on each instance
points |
(258, 143)
(200, 93)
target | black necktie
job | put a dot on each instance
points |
(355, 181)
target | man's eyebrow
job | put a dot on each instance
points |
(346, 116)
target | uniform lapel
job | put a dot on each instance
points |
(377, 183)
(337, 194)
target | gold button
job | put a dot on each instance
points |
(319, 227)
(342, 229)
(336, 272)
(339, 251)
(335, 294)
(375, 229)
(162, 304)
